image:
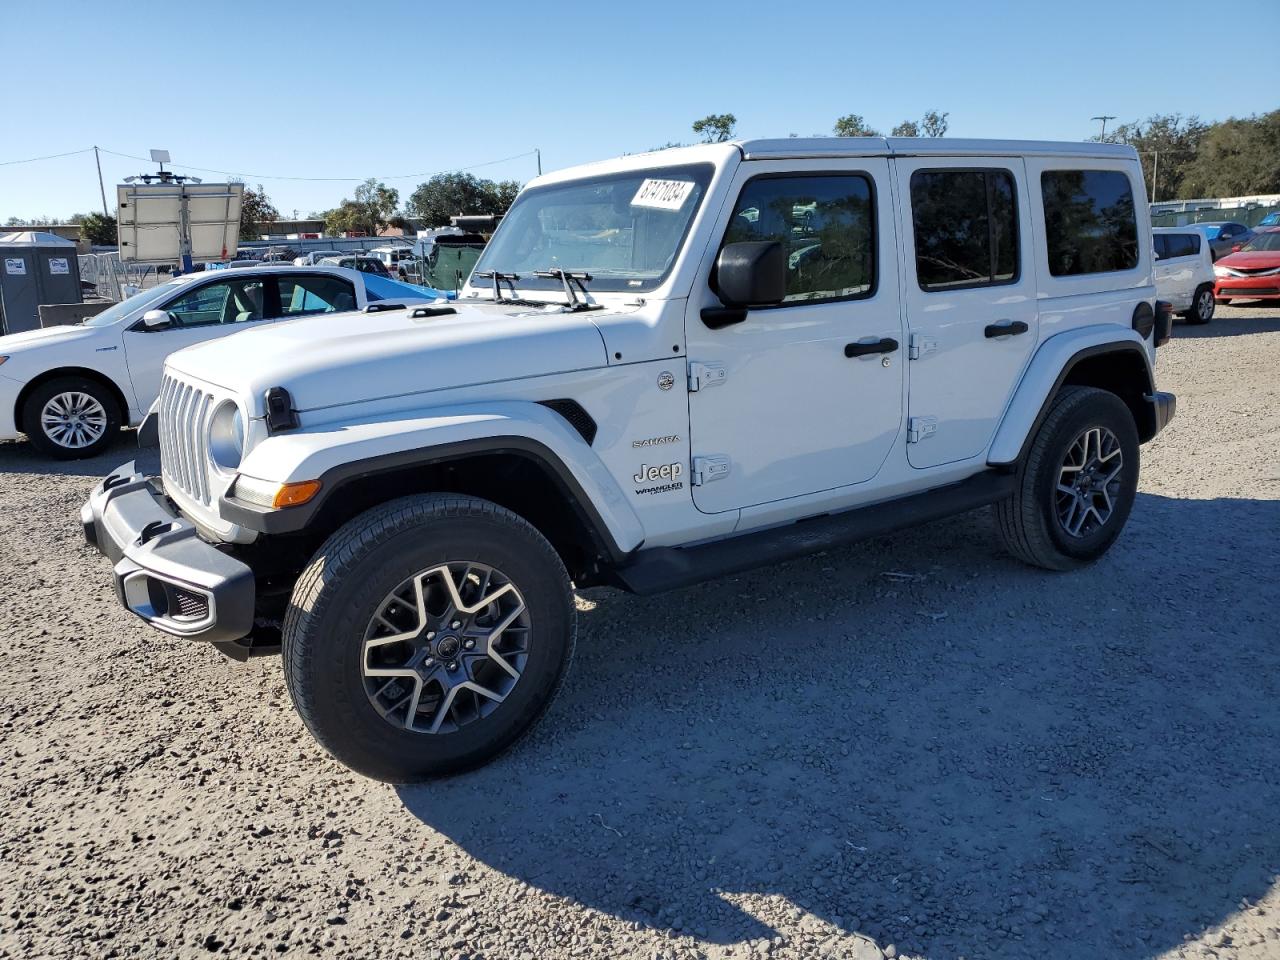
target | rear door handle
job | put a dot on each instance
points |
(865, 348)
(1005, 328)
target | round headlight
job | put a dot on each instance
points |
(226, 436)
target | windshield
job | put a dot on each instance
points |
(624, 230)
(138, 301)
(1269, 241)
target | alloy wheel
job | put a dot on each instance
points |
(1089, 482)
(74, 419)
(1204, 306)
(446, 647)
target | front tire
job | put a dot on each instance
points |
(1202, 304)
(427, 636)
(71, 418)
(1076, 485)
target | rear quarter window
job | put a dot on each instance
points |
(1090, 222)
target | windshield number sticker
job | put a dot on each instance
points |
(662, 194)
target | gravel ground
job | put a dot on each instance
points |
(911, 747)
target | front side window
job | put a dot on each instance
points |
(1090, 222)
(825, 224)
(300, 296)
(625, 230)
(966, 228)
(230, 301)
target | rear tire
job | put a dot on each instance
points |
(1067, 509)
(1201, 310)
(415, 599)
(71, 418)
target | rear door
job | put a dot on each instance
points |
(970, 295)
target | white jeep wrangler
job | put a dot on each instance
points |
(660, 366)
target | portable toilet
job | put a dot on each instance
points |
(35, 268)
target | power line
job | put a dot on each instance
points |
(51, 156)
(265, 176)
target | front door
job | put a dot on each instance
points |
(811, 393)
(970, 294)
(207, 312)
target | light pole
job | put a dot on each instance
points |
(1104, 120)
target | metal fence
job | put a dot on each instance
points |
(115, 280)
(1250, 216)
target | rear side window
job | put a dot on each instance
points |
(966, 228)
(1181, 244)
(1089, 220)
(826, 226)
(304, 295)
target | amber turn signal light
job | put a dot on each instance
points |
(295, 494)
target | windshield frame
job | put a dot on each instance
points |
(123, 309)
(702, 173)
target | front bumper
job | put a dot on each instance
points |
(1163, 408)
(163, 571)
(1247, 288)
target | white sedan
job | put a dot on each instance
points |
(71, 388)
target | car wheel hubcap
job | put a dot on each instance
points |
(446, 647)
(73, 420)
(1206, 305)
(1089, 482)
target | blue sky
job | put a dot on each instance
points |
(344, 89)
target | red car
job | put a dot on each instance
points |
(1252, 272)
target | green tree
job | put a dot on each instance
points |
(907, 128)
(934, 124)
(372, 208)
(715, 127)
(1172, 138)
(1234, 158)
(852, 125)
(99, 229)
(459, 194)
(255, 208)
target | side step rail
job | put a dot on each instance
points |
(666, 568)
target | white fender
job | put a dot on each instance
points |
(1041, 377)
(308, 454)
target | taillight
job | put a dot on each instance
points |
(1163, 322)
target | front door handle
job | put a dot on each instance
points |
(1005, 328)
(864, 348)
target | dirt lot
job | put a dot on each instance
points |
(913, 746)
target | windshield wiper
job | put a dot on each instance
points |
(569, 278)
(498, 279)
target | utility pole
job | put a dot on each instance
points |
(538, 151)
(1102, 136)
(1155, 170)
(101, 187)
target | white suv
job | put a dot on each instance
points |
(664, 368)
(1184, 272)
(71, 388)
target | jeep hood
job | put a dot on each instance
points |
(343, 358)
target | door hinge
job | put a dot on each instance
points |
(921, 346)
(706, 469)
(705, 375)
(921, 428)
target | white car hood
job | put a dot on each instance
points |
(45, 337)
(343, 358)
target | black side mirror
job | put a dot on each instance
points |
(749, 274)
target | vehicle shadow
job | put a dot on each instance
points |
(916, 739)
(19, 456)
(1266, 319)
